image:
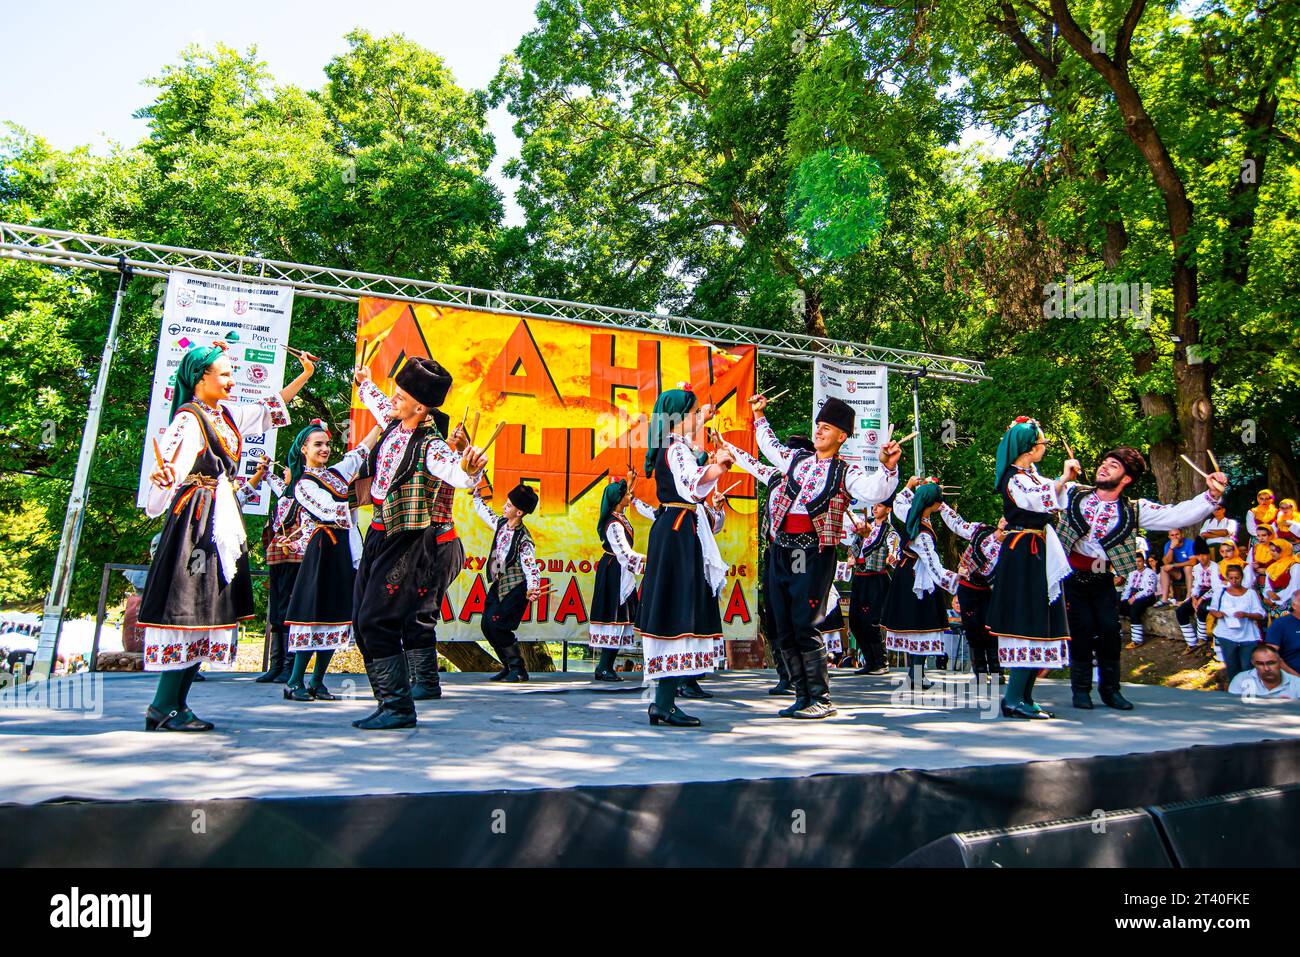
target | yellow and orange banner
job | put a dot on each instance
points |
(573, 400)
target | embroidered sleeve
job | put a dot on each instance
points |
(895, 541)
(747, 463)
(348, 467)
(644, 509)
(319, 504)
(180, 445)
(1161, 518)
(923, 545)
(902, 504)
(958, 525)
(843, 571)
(275, 482)
(631, 560)
(1031, 494)
(528, 562)
(485, 511)
(379, 405)
(688, 476)
(254, 418)
(243, 493)
(990, 548)
(870, 487)
(443, 462)
(773, 449)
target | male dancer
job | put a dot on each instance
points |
(976, 571)
(870, 548)
(412, 552)
(806, 512)
(513, 578)
(1097, 528)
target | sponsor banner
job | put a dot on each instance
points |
(253, 319)
(571, 399)
(866, 388)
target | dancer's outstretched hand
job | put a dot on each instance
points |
(473, 461)
(889, 455)
(1216, 482)
(758, 403)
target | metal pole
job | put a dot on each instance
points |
(916, 423)
(61, 585)
(101, 612)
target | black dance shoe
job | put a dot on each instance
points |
(179, 720)
(605, 676)
(690, 688)
(321, 693)
(1020, 711)
(297, 693)
(1082, 699)
(782, 687)
(674, 717)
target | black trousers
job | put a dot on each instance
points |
(799, 580)
(983, 643)
(1092, 610)
(501, 616)
(399, 589)
(866, 601)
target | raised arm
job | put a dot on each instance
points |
(956, 524)
(451, 466)
(1161, 518)
(923, 545)
(773, 449)
(485, 511)
(747, 463)
(871, 487)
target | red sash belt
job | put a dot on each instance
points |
(797, 524)
(1081, 562)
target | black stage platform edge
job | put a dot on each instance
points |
(872, 819)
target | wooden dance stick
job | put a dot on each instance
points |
(495, 433)
(474, 427)
(907, 438)
(1213, 461)
(1193, 466)
(777, 396)
(157, 454)
(889, 434)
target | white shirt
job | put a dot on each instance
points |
(1142, 583)
(1203, 579)
(527, 553)
(442, 460)
(1225, 524)
(1248, 685)
(1229, 628)
(866, 487)
(1103, 516)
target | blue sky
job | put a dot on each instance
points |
(73, 70)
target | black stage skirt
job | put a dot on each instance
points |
(903, 612)
(281, 578)
(675, 597)
(606, 609)
(185, 587)
(1018, 606)
(323, 593)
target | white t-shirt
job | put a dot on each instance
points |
(1248, 685)
(1229, 628)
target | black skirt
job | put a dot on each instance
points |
(323, 592)
(675, 597)
(1018, 605)
(903, 612)
(186, 587)
(606, 608)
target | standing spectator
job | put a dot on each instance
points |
(1265, 679)
(1218, 529)
(1262, 515)
(1284, 635)
(1177, 559)
(1237, 613)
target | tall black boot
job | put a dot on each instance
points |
(275, 663)
(1081, 682)
(782, 685)
(514, 658)
(286, 667)
(393, 684)
(1109, 687)
(798, 680)
(423, 668)
(817, 675)
(689, 687)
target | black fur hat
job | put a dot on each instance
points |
(523, 498)
(838, 413)
(425, 381)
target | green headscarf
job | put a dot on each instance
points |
(192, 368)
(1019, 438)
(669, 409)
(926, 494)
(609, 500)
(295, 459)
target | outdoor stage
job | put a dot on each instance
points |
(565, 772)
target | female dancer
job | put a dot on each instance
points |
(915, 615)
(284, 543)
(1026, 610)
(678, 619)
(614, 601)
(975, 569)
(319, 615)
(198, 589)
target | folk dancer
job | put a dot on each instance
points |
(614, 600)
(198, 588)
(512, 574)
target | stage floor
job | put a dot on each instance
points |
(563, 731)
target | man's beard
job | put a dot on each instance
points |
(1108, 485)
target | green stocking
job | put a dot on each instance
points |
(1031, 675)
(318, 670)
(665, 692)
(167, 696)
(187, 679)
(1017, 680)
(299, 668)
(607, 656)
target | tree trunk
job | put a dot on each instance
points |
(470, 656)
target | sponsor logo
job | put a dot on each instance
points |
(851, 386)
(241, 306)
(257, 374)
(872, 436)
(184, 342)
(259, 355)
(255, 439)
(185, 297)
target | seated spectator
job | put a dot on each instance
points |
(1259, 552)
(1237, 614)
(1284, 635)
(1280, 579)
(1177, 559)
(1138, 595)
(1265, 679)
(1262, 515)
(1286, 521)
(1218, 529)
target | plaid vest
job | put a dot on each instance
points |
(281, 538)
(1120, 544)
(416, 498)
(874, 557)
(826, 508)
(513, 573)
